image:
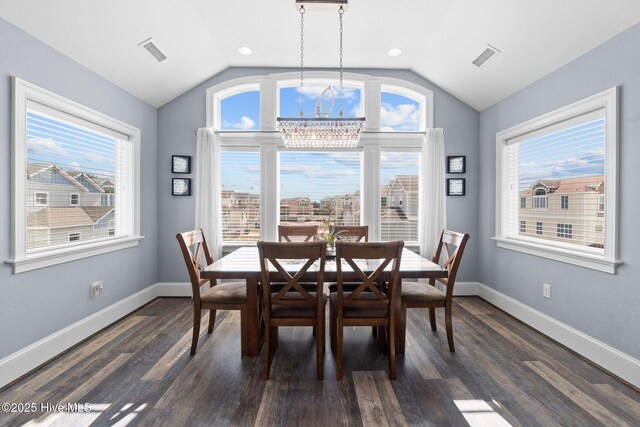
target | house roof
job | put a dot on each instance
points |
(68, 216)
(582, 184)
(391, 213)
(34, 169)
(408, 182)
(88, 179)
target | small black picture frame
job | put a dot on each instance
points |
(181, 187)
(456, 187)
(456, 164)
(180, 164)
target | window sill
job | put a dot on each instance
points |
(594, 262)
(59, 256)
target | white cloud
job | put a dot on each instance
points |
(46, 146)
(312, 171)
(399, 117)
(94, 157)
(244, 123)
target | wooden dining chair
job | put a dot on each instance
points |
(352, 233)
(422, 295)
(369, 304)
(292, 304)
(223, 296)
(291, 233)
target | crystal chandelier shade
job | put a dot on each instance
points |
(320, 131)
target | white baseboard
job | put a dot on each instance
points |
(174, 289)
(614, 361)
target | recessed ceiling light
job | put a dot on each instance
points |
(243, 50)
(395, 52)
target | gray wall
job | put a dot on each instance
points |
(38, 303)
(601, 305)
(178, 119)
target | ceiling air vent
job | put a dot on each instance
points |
(484, 56)
(153, 50)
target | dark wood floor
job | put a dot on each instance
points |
(139, 371)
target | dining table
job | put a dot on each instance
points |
(244, 263)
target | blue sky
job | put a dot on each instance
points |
(69, 146)
(572, 152)
(316, 175)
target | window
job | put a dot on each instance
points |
(399, 113)
(350, 98)
(599, 228)
(240, 196)
(304, 186)
(240, 111)
(523, 202)
(564, 231)
(601, 203)
(538, 227)
(571, 150)
(399, 182)
(523, 226)
(41, 199)
(319, 186)
(64, 154)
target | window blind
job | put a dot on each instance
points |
(320, 186)
(399, 195)
(240, 175)
(555, 179)
(79, 179)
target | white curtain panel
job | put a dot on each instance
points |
(208, 186)
(432, 192)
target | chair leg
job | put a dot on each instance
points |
(381, 336)
(244, 332)
(374, 331)
(274, 337)
(212, 320)
(196, 328)
(432, 318)
(339, 350)
(319, 345)
(401, 329)
(266, 363)
(449, 325)
(392, 348)
(314, 331)
(333, 327)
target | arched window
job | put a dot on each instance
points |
(265, 183)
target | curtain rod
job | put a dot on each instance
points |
(275, 131)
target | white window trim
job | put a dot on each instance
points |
(606, 262)
(71, 199)
(269, 142)
(23, 93)
(35, 198)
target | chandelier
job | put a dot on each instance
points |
(320, 131)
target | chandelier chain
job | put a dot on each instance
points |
(302, 61)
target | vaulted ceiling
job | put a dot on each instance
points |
(439, 38)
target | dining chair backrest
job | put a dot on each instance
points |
(382, 254)
(196, 256)
(352, 233)
(282, 256)
(291, 233)
(448, 255)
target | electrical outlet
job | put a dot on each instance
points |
(546, 290)
(96, 288)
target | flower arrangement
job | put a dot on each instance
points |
(329, 233)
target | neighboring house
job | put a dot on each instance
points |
(296, 209)
(65, 206)
(399, 209)
(56, 226)
(570, 210)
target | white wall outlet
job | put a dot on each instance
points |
(546, 290)
(96, 288)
